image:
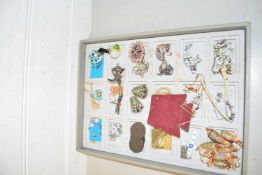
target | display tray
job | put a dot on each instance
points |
(171, 101)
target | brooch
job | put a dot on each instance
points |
(161, 51)
(189, 60)
(137, 55)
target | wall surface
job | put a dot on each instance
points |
(38, 73)
(116, 17)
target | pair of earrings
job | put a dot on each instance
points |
(138, 92)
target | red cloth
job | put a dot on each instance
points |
(185, 116)
(166, 113)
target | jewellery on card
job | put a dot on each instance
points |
(136, 105)
(140, 91)
(95, 96)
(161, 51)
(95, 130)
(223, 51)
(115, 130)
(117, 72)
(189, 60)
(96, 59)
(187, 148)
(137, 56)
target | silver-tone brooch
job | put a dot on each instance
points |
(189, 60)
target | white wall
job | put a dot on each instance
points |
(115, 17)
(38, 70)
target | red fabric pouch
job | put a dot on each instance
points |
(167, 113)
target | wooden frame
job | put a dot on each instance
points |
(150, 164)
